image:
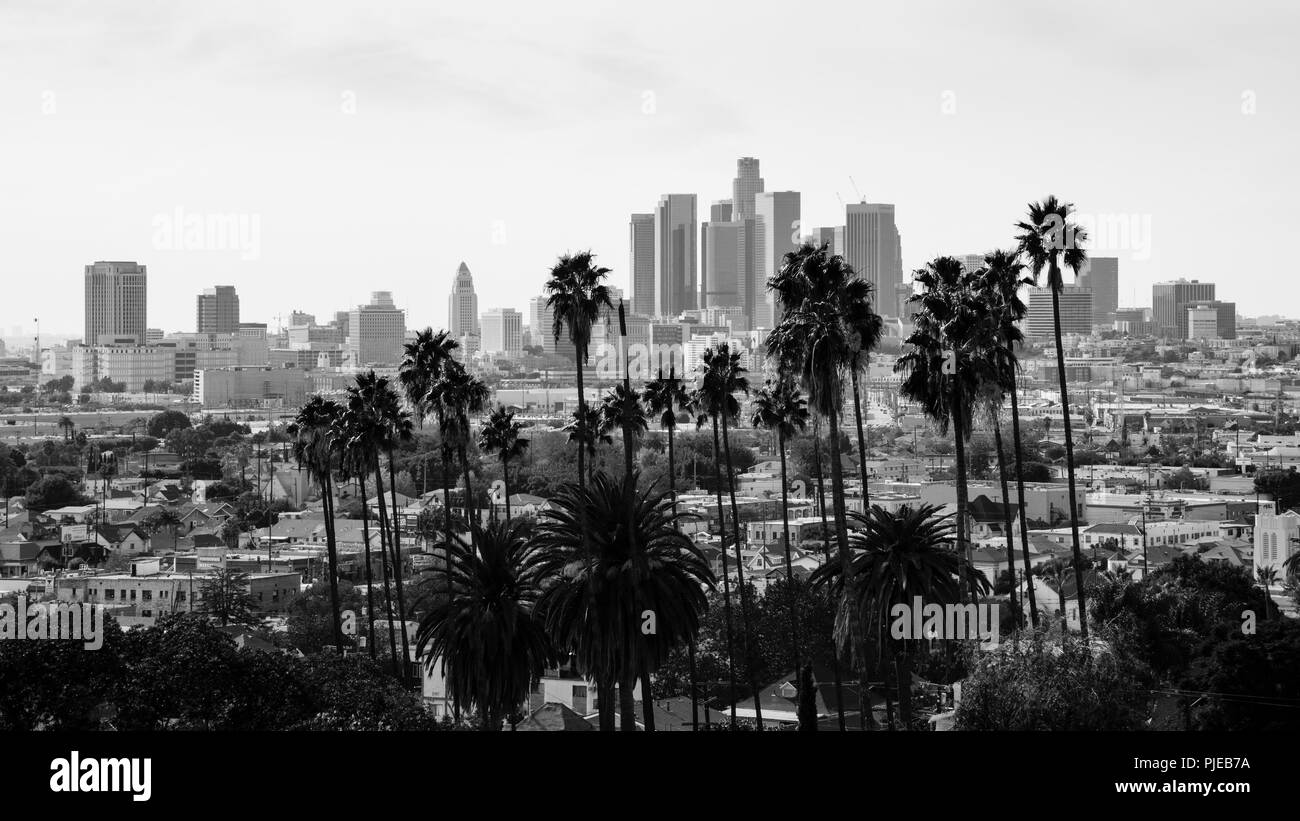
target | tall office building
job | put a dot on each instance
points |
(116, 301)
(218, 311)
(832, 238)
(376, 332)
(971, 262)
(720, 262)
(1211, 320)
(1076, 312)
(1169, 301)
(503, 331)
(778, 232)
(462, 305)
(676, 285)
(641, 269)
(1101, 274)
(541, 319)
(744, 187)
(872, 245)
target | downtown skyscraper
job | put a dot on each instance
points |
(116, 301)
(721, 251)
(676, 255)
(641, 266)
(462, 305)
(217, 311)
(777, 232)
(873, 247)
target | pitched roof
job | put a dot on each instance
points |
(555, 717)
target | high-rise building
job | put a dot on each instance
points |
(676, 285)
(503, 331)
(1132, 321)
(1076, 312)
(1211, 320)
(1169, 302)
(778, 214)
(541, 318)
(641, 276)
(116, 301)
(971, 262)
(743, 188)
(872, 244)
(462, 305)
(1101, 274)
(723, 248)
(218, 311)
(376, 332)
(832, 238)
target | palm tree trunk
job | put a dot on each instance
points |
(747, 630)
(856, 634)
(331, 550)
(608, 710)
(370, 583)
(627, 703)
(963, 495)
(862, 442)
(903, 680)
(726, 581)
(582, 417)
(470, 513)
(647, 703)
(690, 648)
(1024, 527)
(826, 544)
(1006, 515)
(385, 536)
(1069, 456)
(789, 565)
(505, 480)
(397, 567)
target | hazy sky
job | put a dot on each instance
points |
(376, 145)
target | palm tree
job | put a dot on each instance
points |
(723, 377)
(608, 579)
(781, 409)
(1048, 240)
(487, 631)
(350, 439)
(312, 430)
(820, 336)
(576, 293)
(900, 556)
(1267, 577)
(586, 431)
(826, 558)
(459, 396)
(947, 362)
(663, 398)
(1002, 279)
(388, 425)
(67, 426)
(500, 435)
(622, 409)
(864, 330)
(422, 366)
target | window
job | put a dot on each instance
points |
(132, 595)
(146, 595)
(109, 594)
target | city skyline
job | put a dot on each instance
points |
(951, 146)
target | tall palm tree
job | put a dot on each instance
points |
(586, 431)
(351, 441)
(864, 329)
(900, 556)
(1267, 577)
(1048, 240)
(663, 398)
(460, 396)
(500, 436)
(826, 532)
(820, 337)
(312, 431)
(67, 426)
(1002, 279)
(608, 580)
(487, 630)
(422, 366)
(722, 378)
(946, 363)
(781, 409)
(576, 293)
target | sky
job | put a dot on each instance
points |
(375, 146)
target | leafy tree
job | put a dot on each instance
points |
(225, 596)
(1253, 681)
(161, 424)
(53, 491)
